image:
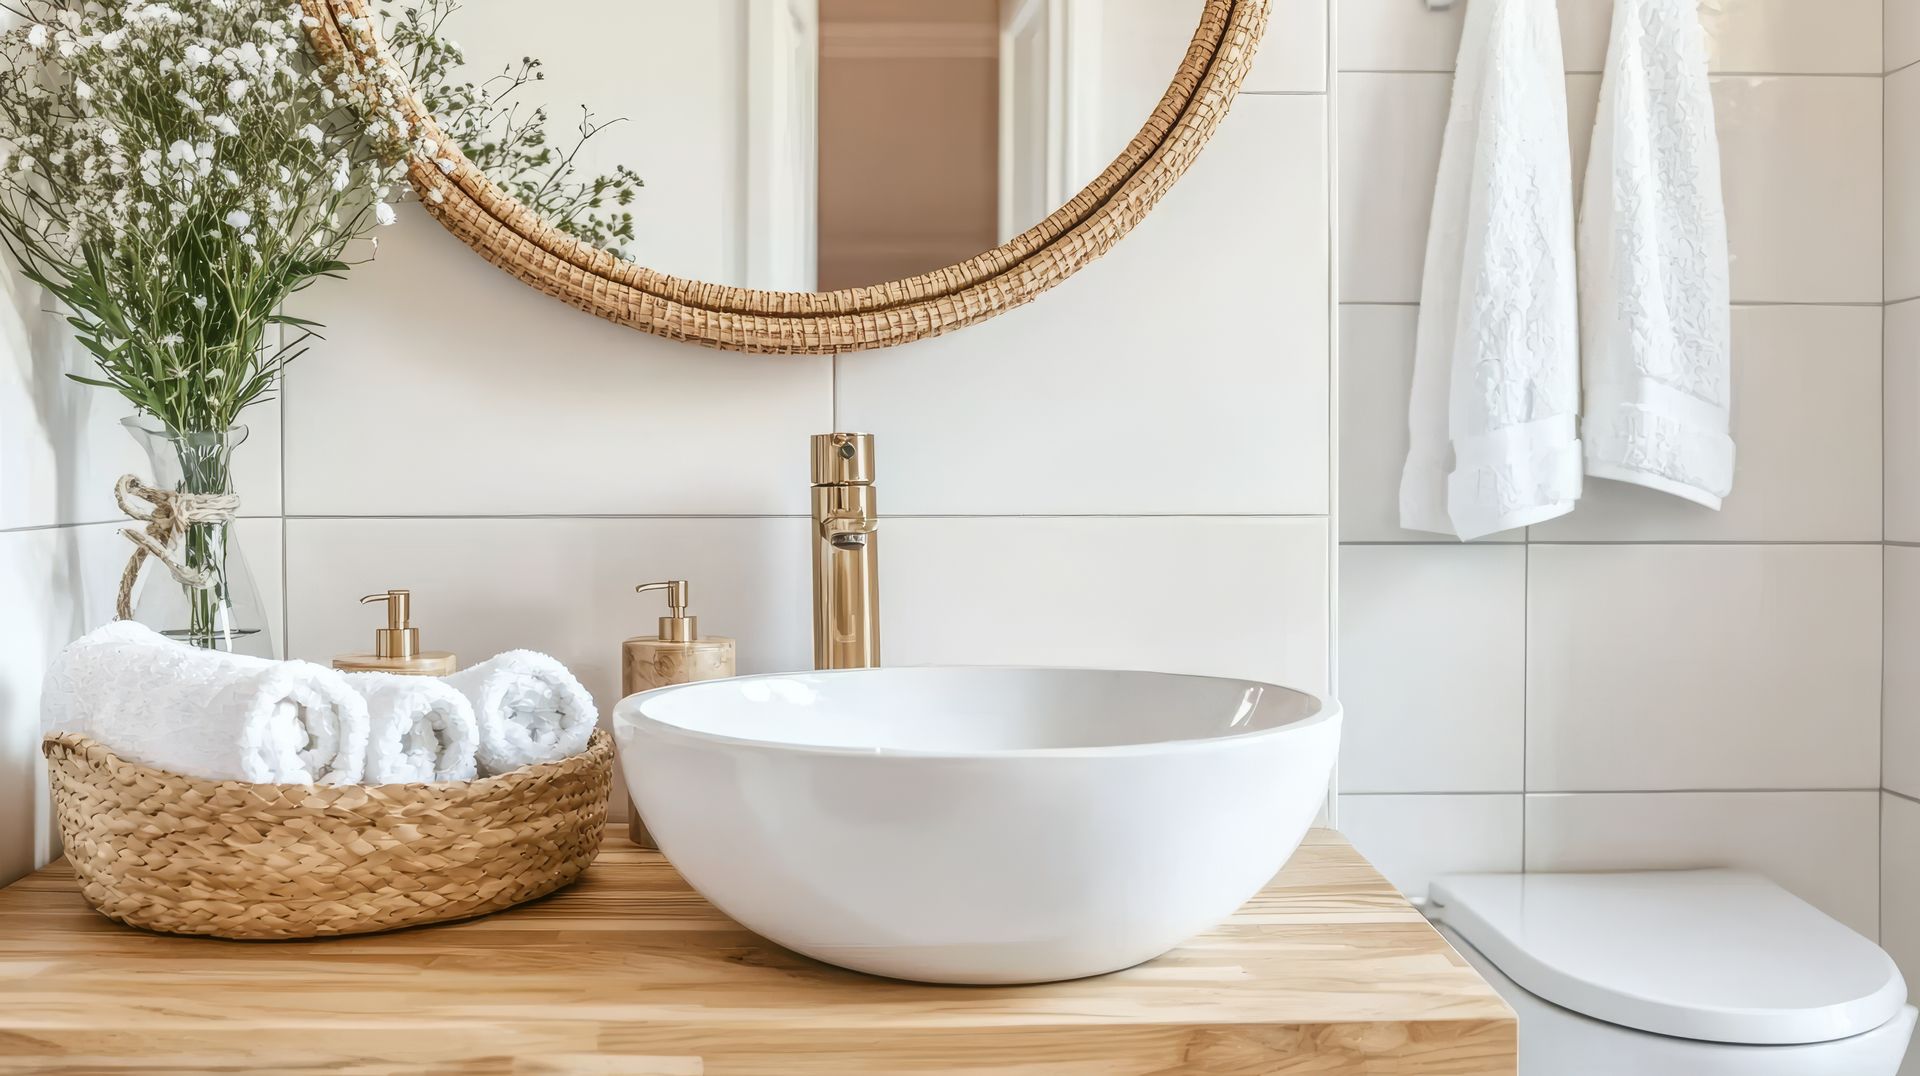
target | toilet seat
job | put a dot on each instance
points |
(1719, 956)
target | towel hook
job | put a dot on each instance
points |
(1439, 5)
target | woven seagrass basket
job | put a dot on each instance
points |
(234, 860)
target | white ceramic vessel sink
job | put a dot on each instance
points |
(978, 825)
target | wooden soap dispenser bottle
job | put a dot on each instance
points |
(678, 654)
(396, 647)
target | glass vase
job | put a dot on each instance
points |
(227, 613)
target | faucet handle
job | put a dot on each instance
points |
(842, 459)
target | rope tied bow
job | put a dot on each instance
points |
(167, 514)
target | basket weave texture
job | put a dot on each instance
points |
(178, 854)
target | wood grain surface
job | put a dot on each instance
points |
(1327, 971)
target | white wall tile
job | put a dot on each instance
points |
(1900, 732)
(560, 586)
(1797, 369)
(1292, 57)
(1224, 597)
(1901, 389)
(415, 405)
(1903, 184)
(1698, 666)
(1832, 37)
(1432, 668)
(1770, 36)
(1415, 839)
(1389, 136)
(1900, 882)
(1113, 394)
(1822, 846)
(1902, 29)
(1802, 158)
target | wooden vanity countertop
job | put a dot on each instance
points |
(1327, 971)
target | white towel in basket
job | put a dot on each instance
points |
(529, 708)
(419, 729)
(207, 713)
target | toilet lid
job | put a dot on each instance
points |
(1722, 956)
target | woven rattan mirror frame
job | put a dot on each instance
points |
(811, 323)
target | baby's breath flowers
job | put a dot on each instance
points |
(173, 171)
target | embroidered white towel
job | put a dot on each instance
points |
(1654, 290)
(207, 713)
(1496, 381)
(529, 709)
(419, 729)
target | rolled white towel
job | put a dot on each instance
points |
(207, 713)
(529, 708)
(419, 729)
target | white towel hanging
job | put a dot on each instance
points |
(1496, 367)
(1654, 290)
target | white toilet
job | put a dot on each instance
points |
(1677, 973)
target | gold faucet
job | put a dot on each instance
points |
(846, 573)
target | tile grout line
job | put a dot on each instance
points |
(1540, 792)
(1867, 543)
(1738, 304)
(286, 578)
(1331, 176)
(1593, 73)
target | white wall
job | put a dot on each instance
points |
(1146, 445)
(1642, 683)
(1900, 764)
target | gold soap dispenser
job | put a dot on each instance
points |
(678, 653)
(396, 647)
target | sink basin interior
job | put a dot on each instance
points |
(978, 710)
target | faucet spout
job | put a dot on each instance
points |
(846, 570)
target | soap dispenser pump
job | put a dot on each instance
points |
(678, 653)
(396, 647)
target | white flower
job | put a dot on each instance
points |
(239, 218)
(188, 100)
(171, 340)
(237, 89)
(199, 302)
(232, 177)
(224, 124)
(112, 41)
(195, 56)
(383, 213)
(312, 134)
(247, 239)
(445, 164)
(110, 136)
(181, 152)
(435, 196)
(37, 37)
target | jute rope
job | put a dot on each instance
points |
(167, 521)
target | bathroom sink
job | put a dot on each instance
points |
(978, 825)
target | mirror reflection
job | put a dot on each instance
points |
(795, 145)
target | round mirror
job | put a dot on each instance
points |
(803, 175)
